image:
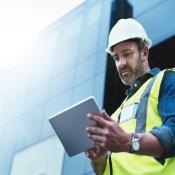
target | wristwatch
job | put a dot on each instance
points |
(135, 143)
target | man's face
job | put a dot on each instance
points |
(129, 61)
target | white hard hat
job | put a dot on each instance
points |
(126, 29)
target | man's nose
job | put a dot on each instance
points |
(122, 62)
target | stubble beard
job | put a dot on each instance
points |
(135, 73)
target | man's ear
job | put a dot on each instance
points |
(145, 53)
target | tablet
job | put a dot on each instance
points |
(70, 125)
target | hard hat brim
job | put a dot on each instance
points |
(108, 49)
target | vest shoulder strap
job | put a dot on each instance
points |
(143, 105)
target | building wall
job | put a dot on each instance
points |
(157, 17)
(65, 63)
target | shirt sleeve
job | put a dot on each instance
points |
(166, 132)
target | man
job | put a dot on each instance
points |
(139, 138)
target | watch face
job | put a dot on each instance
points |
(136, 145)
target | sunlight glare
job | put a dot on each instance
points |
(23, 19)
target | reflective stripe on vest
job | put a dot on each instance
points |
(142, 109)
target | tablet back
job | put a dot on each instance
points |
(70, 125)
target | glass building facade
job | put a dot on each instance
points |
(64, 64)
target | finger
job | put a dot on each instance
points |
(97, 149)
(105, 115)
(98, 119)
(97, 138)
(100, 151)
(94, 153)
(95, 130)
(101, 145)
(91, 154)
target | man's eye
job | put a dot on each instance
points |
(127, 54)
(116, 58)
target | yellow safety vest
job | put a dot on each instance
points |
(132, 164)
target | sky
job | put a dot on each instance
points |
(21, 20)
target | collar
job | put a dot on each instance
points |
(154, 72)
(139, 82)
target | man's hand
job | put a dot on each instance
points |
(95, 153)
(98, 158)
(108, 135)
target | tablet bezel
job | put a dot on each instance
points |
(70, 125)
